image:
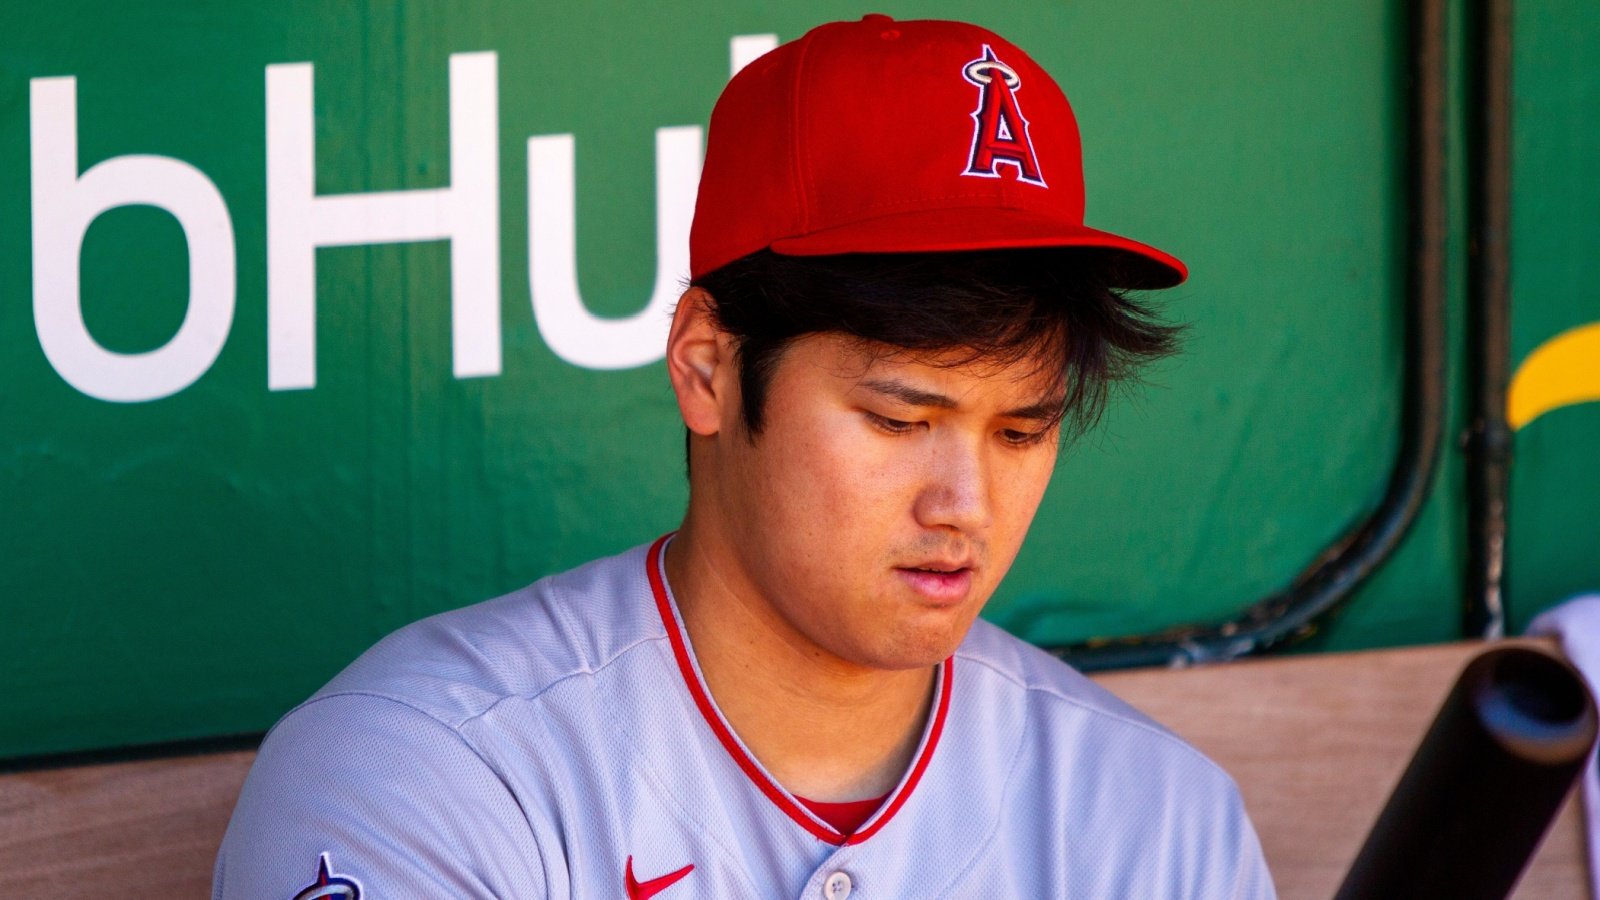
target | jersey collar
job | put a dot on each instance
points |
(690, 670)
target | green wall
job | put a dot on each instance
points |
(1554, 545)
(191, 565)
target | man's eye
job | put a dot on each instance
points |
(892, 426)
(1023, 438)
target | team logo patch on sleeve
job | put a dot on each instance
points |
(329, 884)
(999, 133)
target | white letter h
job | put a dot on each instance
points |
(298, 221)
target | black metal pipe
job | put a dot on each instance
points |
(1509, 741)
(1334, 574)
(1489, 300)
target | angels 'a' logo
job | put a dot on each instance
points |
(1000, 133)
(330, 885)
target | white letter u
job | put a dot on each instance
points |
(573, 333)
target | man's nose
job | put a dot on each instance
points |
(957, 492)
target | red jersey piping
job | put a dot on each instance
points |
(774, 793)
(847, 816)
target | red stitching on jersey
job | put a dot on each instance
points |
(922, 761)
(708, 711)
(680, 651)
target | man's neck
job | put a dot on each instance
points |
(825, 728)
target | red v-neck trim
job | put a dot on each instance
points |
(845, 816)
(719, 727)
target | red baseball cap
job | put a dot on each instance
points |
(881, 136)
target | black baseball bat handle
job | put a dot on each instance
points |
(1506, 747)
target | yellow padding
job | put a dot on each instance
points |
(1560, 372)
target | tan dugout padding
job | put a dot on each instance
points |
(138, 829)
(1315, 742)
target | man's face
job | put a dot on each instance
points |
(886, 495)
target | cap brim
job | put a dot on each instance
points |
(1132, 265)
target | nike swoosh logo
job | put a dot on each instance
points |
(645, 890)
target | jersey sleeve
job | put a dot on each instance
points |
(1244, 873)
(363, 797)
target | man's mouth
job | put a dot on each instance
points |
(938, 583)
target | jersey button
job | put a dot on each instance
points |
(837, 887)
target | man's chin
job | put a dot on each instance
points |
(919, 649)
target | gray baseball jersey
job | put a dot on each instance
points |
(560, 742)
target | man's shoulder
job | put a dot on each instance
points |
(1080, 759)
(1063, 702)
(1033, 670)
(455, 665)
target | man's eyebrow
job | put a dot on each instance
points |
(1050, 410)
(1046, 410)
(905, 393)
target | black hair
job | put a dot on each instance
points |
(1054, 306)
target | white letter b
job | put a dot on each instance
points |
(64, 205)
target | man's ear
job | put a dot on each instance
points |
(700, 363)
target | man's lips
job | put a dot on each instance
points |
(939, 583)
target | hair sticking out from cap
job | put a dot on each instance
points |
(1052, 307)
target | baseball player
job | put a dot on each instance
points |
(895, 312)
